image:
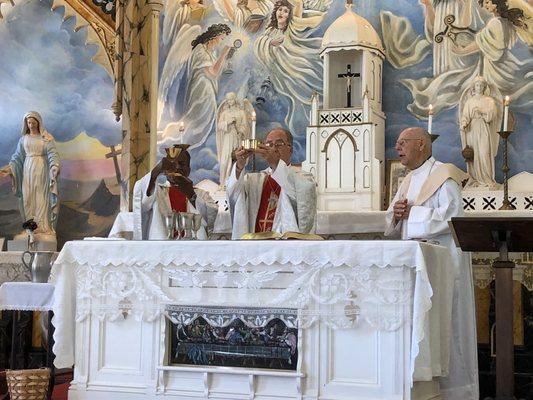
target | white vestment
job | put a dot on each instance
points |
(429, 220)
(149, 211)
(296, 208)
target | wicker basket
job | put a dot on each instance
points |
(28, 384)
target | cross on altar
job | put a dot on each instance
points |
(114, 154)
(270, 212)
(348, 75)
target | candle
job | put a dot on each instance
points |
(182, 126)
(430, 118)
(181, 130)
(253, 125)
(506, 113)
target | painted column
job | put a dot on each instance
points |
(139, 92)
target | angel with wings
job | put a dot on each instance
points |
(178, 13)
(490, 52)
(188, 85)
(478, 123)
(238, 12)
(289, 56)
(234, 123)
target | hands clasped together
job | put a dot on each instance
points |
(401, 210)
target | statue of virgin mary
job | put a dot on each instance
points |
(34, 168)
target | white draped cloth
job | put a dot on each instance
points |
(104, 279)
(296, 208)
(430, 221)
(149, 211)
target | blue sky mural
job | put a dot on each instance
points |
(46, 66)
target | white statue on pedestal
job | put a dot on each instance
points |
(479, 122)
(234, 123)
(34, 169)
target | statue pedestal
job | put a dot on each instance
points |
(43, 242)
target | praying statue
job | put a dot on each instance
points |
(34, 169)
(234, 124)
(478, 124)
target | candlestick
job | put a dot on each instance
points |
(253, 124)
(506, 113)
(430, 118)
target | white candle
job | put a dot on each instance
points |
(430, 118)
(253, 125)
(506, 113)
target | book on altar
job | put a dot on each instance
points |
(281, 236)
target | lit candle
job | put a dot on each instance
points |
(430, 118)
(506, 113)
(253, 125)
(181, 130)
(182, 126)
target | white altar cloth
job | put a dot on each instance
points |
(26, 296)
(128, 272)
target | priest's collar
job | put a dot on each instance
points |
(425, 167)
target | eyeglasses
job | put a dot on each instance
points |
(277, 144)
(403, 142)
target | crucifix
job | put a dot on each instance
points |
(114, 154)
(348, 75)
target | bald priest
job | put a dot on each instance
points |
(428, 197)
(278, 199)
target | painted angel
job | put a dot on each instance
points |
(289, 56)
(178, 13)
(239, 12)
(479, 121)
(188, 85)
(234, 123)
(491, 52)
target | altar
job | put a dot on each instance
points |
(121, 306)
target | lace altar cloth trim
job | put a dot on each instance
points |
(384, 283)
(222, 253)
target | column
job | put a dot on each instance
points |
(139, 86)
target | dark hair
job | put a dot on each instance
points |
(277, 6)
(515, 15)
(212, 32)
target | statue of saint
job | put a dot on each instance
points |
(34, 169)
(479, 121)
(234, 123)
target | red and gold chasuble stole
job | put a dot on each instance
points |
(267, 206)
(178, 201)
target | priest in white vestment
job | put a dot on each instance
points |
(278, 199)
(429, 196)
(153, 200)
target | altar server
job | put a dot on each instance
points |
(153, 200)
(429, 196)
(278, 199)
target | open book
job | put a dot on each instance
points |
(281, 236)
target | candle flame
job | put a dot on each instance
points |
(431, 109)
(253, 115)
(507, 100)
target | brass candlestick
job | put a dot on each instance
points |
(506, 204)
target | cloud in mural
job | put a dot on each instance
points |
(47, 67)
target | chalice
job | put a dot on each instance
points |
(170, 224)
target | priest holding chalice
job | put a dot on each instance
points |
(280, 199)
(167, 190)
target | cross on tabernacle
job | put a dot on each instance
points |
(114, 154)
(270, 212)
(348, 75)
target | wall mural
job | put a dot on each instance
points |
(46, 66)
(272, 51)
